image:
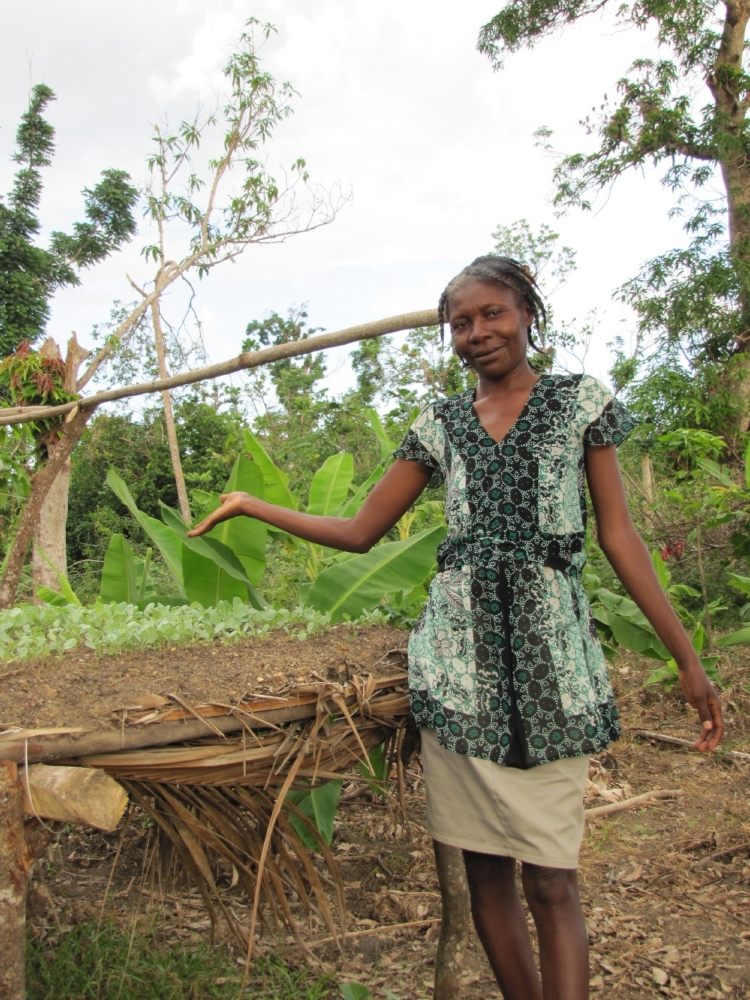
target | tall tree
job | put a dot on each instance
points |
(696, 299)
(221, 220)
(30, 274)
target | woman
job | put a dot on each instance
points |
(507, 678)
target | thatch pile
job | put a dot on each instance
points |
(219, 802)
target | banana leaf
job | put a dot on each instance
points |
(330, 484)
(245, 536)
(320, 805)
(274, 480)
(164, 538)
(735, 638)
(387, 447)
(118, 583)
(353, 504)
(66, 591)
(357, 585)
(206, 583)
(211, 571)
(632, 636)
(50, 596)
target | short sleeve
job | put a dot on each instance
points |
(609, 420)
(424, 443)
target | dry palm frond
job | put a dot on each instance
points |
(219, 804)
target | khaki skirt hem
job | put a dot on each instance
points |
(477, 805)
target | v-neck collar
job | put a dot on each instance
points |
(513, 426)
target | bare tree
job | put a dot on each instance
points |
(222, 219)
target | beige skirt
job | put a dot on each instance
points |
(535, 816)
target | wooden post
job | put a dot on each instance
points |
(20, 843)
(647, 477)
(456, 921)
(13, 877)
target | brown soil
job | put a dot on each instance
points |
(83, 689)
(666, 887)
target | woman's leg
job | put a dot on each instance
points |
(501, 924)
(552, 895)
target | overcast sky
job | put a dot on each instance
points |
(394, 102)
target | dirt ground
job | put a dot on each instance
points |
(83, 689)
(666, 887)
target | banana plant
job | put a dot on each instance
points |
(125, 577)
(204, 569)
(387, 447)
(66, 594)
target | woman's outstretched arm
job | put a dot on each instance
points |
(388, 500)
(629, 557)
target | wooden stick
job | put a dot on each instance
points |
(737, 849)
(676, 741)
(614, 807)
(249, 359)
(157, 735)
(381, 929)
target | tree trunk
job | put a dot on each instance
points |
(456, 921)
(50, 536)
(727, 86)
(13, 877)
(41, 483)
(174, 448)
(20, 843)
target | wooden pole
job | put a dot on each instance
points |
(456, 921)
(249, 359)
(14, 867)
(22, 840)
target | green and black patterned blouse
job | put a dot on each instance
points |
(504, 662)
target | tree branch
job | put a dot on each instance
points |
(249, 359)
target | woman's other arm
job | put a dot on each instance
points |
(629, 557)
(387, 501)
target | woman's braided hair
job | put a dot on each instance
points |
(495, 270)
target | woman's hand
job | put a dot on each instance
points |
(232, 505)
(701, 694)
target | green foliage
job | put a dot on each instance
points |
(319, 805)
(692, 303)
(346, 589)
(29, 273)
(28, 378)
(137, 448)
(107, 963)
(30, 631)
(376, 766)
(120, 583)
(66, 591)
(354, 991)
(329, 488)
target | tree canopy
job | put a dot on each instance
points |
(695, 299)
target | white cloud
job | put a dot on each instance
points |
(394, 99)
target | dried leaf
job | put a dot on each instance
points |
(633, 875)
(660, 976)
(144, 703)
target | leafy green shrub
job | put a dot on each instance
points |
(30, 631)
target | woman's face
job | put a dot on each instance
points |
(489, 328)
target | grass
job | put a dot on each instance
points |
(89, 965)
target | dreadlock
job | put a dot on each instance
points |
(495, 270)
